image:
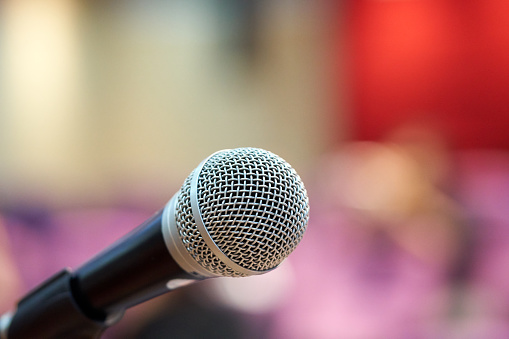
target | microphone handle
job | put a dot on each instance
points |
(136, 268)
(82, 304)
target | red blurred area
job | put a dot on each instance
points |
(444, 64)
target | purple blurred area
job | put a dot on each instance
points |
(434, 267)
(393, 112)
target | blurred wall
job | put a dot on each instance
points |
(105, 100)
(443, 64)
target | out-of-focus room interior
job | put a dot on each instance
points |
(394, 112)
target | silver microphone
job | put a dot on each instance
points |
(241, 212)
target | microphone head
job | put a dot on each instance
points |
(240, 212)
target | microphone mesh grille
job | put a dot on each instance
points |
(254, 206)
(191, 237)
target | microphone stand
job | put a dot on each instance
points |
(52, 311)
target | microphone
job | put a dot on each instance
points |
(241, 212)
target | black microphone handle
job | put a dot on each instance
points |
(134, 269)
(83, 303)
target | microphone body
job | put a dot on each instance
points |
(136, 268)
(82, 303)
(240, 212)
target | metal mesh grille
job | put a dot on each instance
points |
(190, 236)
(254, 206)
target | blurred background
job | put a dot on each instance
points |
(394, 112)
